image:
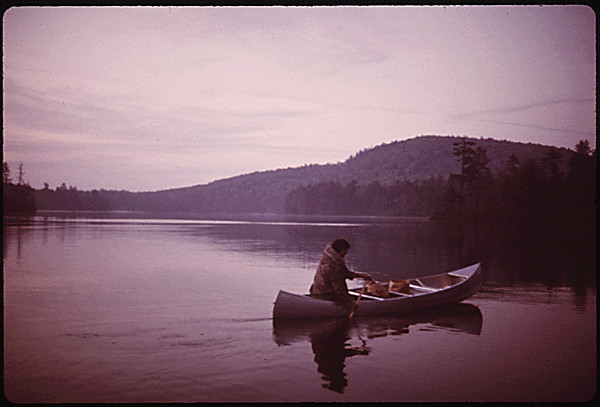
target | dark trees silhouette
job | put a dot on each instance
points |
(17, 199)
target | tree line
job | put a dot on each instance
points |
(551, 185)
(70, 198)
(532, 189)
(18, 198)
(408, 198)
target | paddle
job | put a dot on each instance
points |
(362, 290)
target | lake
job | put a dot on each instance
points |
(129, 307)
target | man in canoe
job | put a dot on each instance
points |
(331, 275)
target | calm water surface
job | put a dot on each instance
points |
(125, 309)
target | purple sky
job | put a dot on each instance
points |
(156, 98)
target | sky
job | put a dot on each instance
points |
(153, 98)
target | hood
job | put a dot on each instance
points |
(333, 256)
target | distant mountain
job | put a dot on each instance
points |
(264, 192)
(258, 192)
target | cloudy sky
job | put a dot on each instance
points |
(155, 98)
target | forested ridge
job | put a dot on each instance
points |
(425, 176)
(552, 184)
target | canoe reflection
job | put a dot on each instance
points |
(330, 337)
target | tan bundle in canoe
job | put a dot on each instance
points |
(401, 286)
(379, 290)
(383, 291)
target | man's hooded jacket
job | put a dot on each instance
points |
(330, 278)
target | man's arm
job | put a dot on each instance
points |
(364, 276)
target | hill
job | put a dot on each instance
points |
(430, 156)
(415, 159)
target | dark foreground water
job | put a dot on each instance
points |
(118, 309)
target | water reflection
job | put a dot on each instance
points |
(555, 254)
(330, 347)
(330, 338)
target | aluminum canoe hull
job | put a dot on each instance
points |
(438, 290)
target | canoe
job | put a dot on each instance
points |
(424, 292)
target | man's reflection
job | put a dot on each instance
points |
(330, 337)
(331, 350)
